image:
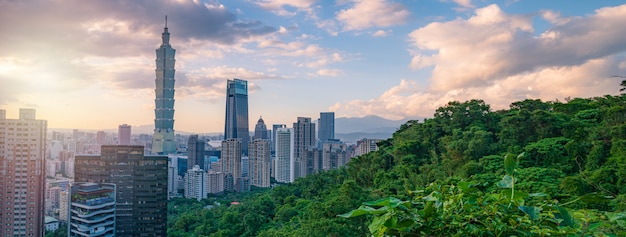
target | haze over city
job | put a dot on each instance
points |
(90, 65)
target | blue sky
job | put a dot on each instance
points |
(90, 64)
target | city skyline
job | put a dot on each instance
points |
(90, 65)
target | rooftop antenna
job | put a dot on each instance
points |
(165, 21)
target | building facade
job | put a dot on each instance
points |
(92, 209)
(22, 174)
(196, 183)
(163, 140)
(141, 187)
(236, 122)
(326, 126)
(195, 151)
(284, 155)
(260, 130)
(259, 158)
(231, 163)
(123, 134)
(304, 137)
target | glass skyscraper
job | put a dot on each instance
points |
(327, 126)
(163, 141)
(236, 122)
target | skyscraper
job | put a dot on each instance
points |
(123, 134)
(196, 183)
(163, 141)
(284, 155)
(22, 174)
(259, 157)
(195, 151)
(236, 122)
(141, 181)
(260, 130)
(231, 162)
(326, 126)
(304, 138)
(275, 127)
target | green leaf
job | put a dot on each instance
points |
(509, 164)
(533, 212)
(591, 198)
(616, 216)
(467, 186)
(388, 201)
(506, 182)
(405, 223)
(362, 210)
(565, 215)
(537, 195)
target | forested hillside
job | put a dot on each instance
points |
(445, 174)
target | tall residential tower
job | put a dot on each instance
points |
(236, 123)
(163, 141)
(22, 174)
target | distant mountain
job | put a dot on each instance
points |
(350, 130)
(367, 124)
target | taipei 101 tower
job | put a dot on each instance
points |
(163, 141)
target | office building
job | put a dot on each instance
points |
(260, 130)
(304, 137)
(275, 127)
(236, 122)
(259, 158)
(326, 126)
(284, 155)
(141, 181)
(92, 209)
(123, 134)
(163, 140)
(22, 174)
(196, 183)
(195, 151)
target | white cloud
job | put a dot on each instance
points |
(500, 58)
(372, 13)
(278, 6)
(381, 33)
(329, 72)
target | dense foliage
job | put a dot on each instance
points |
(571, 179)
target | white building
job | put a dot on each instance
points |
(284, 155)
(196, 183)
(365, 146)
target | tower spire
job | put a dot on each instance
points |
(166, 21)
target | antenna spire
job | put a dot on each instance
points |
(165, 21)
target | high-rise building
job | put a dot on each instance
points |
(326, 126)
(196, 183)
(260, 130)
(22, 174)
(275, 127)
(141, 200)
(215, 182)
(100, 138)
(195, 151)
(231, 162)
(334, 155)
(236, 122)
(366, 145)
(304, 137)
(123, 134)
(163, 140)
(284, 155)
(92, 209)
(259, 157)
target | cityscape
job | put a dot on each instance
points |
(124, 181)
(101, 184)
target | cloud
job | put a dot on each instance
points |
(492, 45)
(278, 7)
(381, 33)
(372, 13)
(500, 58)
(329, 72)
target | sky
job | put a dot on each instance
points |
(90, 64)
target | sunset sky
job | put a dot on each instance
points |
(90, 64)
